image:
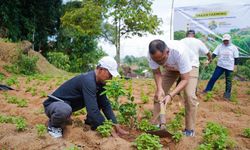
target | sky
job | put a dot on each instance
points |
(138, 46)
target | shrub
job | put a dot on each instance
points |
(26, 65)
(59, 59)
(147, 141)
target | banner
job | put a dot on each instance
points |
(212, 21)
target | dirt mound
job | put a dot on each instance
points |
(9, 53)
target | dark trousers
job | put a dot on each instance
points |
(217, 73)
(58, 113)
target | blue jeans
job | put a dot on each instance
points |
(217, 73)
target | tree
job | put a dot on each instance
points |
(130, 18)
(30, 20)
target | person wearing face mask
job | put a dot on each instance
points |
(227, 60)
(82, 91)
(173, 56)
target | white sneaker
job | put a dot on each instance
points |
(55, 132)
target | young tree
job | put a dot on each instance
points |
(130, 18)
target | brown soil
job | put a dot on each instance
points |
(233, 116)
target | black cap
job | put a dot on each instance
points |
(190, 31)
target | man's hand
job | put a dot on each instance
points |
(119, 130)
(159, 94)
(166, 100)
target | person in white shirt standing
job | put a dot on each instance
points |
(173, 56)
(196, 47)
(227, 58)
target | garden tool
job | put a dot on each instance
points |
(161, 132)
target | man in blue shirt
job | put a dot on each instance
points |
(82, 91)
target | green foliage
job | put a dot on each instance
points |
(20, 124)
(73, 148)
(32, 90)
(147, 114)
(144, 98)
(80, 112)
(105, 129)
(43, 94)
(147, 141)
(215, 137)
(14, 100)
(178, 35)
(114, 89)
(59, 59)
(128, 112)
(177, 136)
(246, 132)
(24, 65)
(41, 130)
(42, 20)
(18, 121)
(11, 81)
(145, 125)
(208, 96)
(1, 77)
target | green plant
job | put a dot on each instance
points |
(147, 114)
(20, 124)
(80, 112)
(43, 94)
(114, 89)
(105, 129)
(144, 98)
(128, 112)
(1, 76)
(246, 132)
(73, 148)
(26, 64)
(208, 96)
(15, 100)
(147, 141)
(177, 136)
(11, 81)
(22, 103)
(41, 130)
(18, 121)
(216, 137)
(59, 59)
(145, 125)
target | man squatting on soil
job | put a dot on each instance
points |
(82, 91)
(176, 59)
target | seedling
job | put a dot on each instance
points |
(246, 132)
(147, 141)
(11, 81)
(114, 89)
(128, 112)
(80, 112)
(177, 136)
(41, 130)
(208, 96)
(147, 114)
(43, 94)
(216, 137)
(20, 124)
(105, 129)
(15, 100)
(145, 125)
(144, 98)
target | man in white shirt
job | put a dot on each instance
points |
(196, 47)
(174, 58)
(227, 57)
